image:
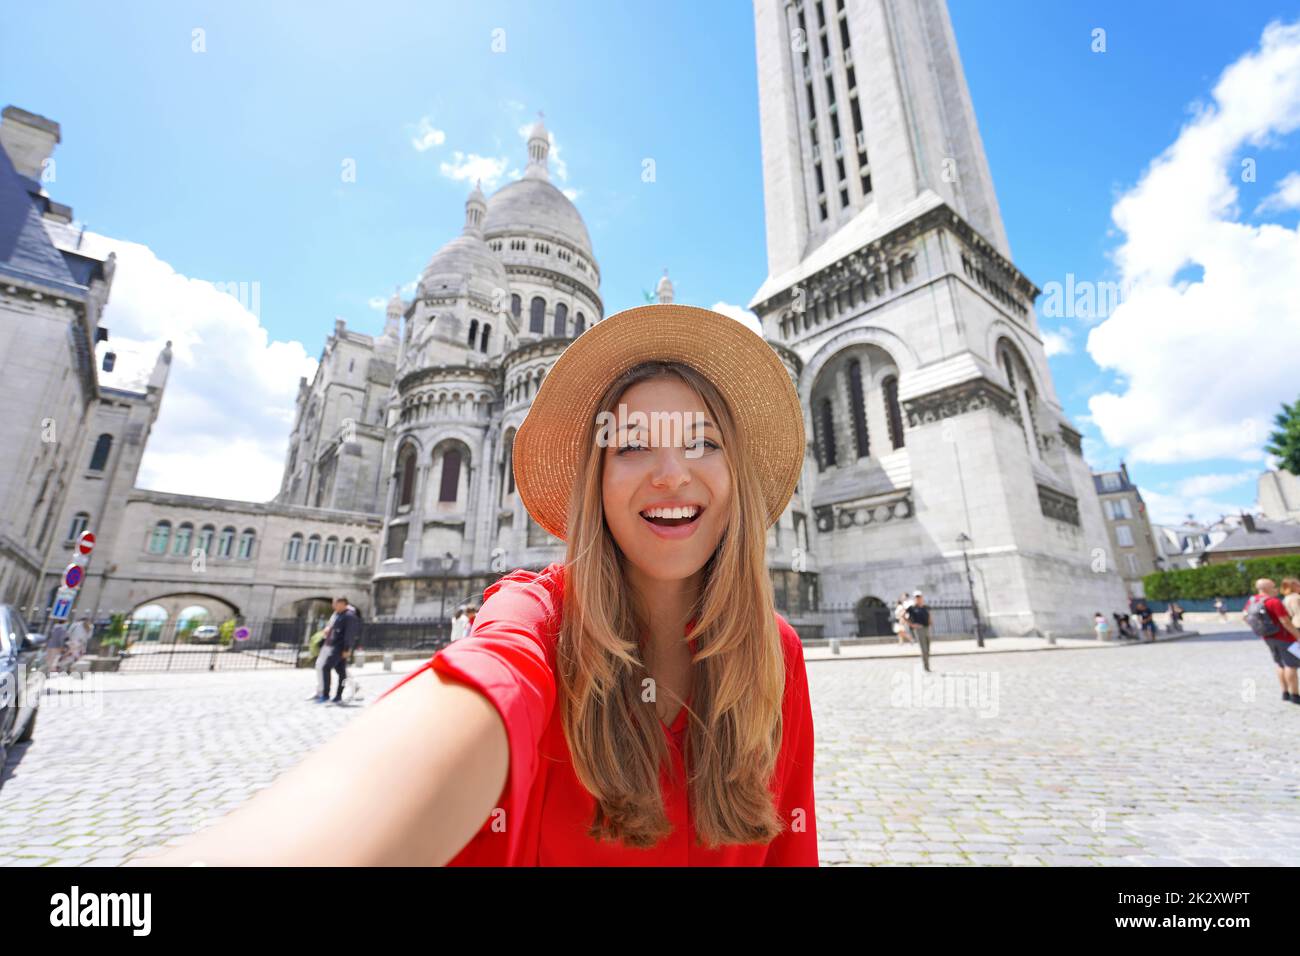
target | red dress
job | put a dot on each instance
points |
(543, 812)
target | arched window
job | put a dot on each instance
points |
(473, 332)
(858, 408)
(162, 531)
(516, 306)
(363, 554)
(349, 546)
(226, 543)
(405, 477)
(246, 542)
(1021, 385)
(181, 543)
(561, 319)
(581, 325)
(508, 464)
(99, 458)
(893, 411)
(79, 522)
(313, 549)
(206, 534)
(826, 421)
(537, 315)
(487, 332)
(450, 475)
(331, 549)
(294, 552)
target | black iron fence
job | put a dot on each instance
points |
(252, 645)
(949, 620)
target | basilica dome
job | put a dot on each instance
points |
(532, 204)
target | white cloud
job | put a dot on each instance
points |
(740, 314)
(474, 167)
(1201, 485)
(1286, 196)
(572, 194)
(1057, 343)
(1174, 508)
(424, 136)
(229, 402)
(1200, 381)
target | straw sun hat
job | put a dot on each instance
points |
(742, 366)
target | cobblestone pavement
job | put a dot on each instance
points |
(1172, 753)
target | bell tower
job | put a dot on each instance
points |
(936, 432)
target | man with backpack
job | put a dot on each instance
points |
(1268, 618)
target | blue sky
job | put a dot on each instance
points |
(227, 165)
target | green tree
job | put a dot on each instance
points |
(1285, 442)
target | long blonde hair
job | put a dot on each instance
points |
(738, 669)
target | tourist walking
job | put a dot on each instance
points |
(900, 620)
(1268, 618)
(918, 619)
(1101, 626)
(1221, 608)
(1148, 619)
(344, 634)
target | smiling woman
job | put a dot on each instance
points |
(641, 703)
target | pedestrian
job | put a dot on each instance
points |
(1291, 599)
(1100, 626)
(324, 658)
(918, 620)
(1175, 617)
(641, 702)
(55, 646)
(1221, 608)
(343, 634)
(900, 620)
(1147, 618)
(1268, 618)
(459, 624)
(79, 635)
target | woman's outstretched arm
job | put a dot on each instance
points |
(407, 783)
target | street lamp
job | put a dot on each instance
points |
(963, 539)
(447, 560)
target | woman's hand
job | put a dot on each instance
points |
(408, 783)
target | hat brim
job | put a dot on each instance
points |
(548, 448)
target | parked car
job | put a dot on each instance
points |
(23, 671)
(206, 634)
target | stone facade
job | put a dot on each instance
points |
(51, 297)
(930, 409)
(1134, 549)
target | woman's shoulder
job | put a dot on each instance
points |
(524, 593)
(791, 643)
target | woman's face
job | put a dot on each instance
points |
(649, 466)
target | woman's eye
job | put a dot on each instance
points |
(709, 443)
(631, 448)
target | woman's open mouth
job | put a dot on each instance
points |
(673, 523)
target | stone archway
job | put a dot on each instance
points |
(161, 618)
(874, 617)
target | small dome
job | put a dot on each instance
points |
(664, 290)
(463, 259)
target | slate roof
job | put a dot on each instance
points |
(26, 251)
(1267, 534)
